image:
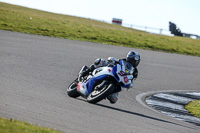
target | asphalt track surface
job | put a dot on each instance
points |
(36, 70)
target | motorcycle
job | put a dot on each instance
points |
(102, 82)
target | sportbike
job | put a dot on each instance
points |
(101, 82)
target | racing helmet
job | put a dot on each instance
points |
(133, 58)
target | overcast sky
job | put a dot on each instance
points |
(151, 13)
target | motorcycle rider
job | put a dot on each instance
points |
(132, 58)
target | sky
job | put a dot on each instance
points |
(147, 13)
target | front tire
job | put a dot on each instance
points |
(98, 95)
(72, 89)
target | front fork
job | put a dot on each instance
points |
(81, 73)
(84, 68)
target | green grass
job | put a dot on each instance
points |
(21, 19)
(194, 108)
(14, 126)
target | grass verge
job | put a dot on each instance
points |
(194, 108)
(14, 126)
(21, 19)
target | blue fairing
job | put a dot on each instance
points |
(121, 64)
(90, 83)
(114, 72)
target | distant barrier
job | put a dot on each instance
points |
(154, 30)
(159, 31)
(149, 29)
(191, 36)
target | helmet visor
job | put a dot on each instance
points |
(129, 68)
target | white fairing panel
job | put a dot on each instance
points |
(102, 71)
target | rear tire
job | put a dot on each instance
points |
(98, 95)
(72, 89)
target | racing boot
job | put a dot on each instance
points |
(113, 97)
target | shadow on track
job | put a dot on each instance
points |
(133, 113)
(141, 115)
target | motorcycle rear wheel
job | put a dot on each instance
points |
(72, 89)
(98, 95)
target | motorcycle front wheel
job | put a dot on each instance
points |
(99, 94)
(72, 89)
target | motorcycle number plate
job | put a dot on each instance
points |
(126, 79)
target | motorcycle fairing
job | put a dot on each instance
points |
(90, 83)
(82, 89)
(118, 72)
